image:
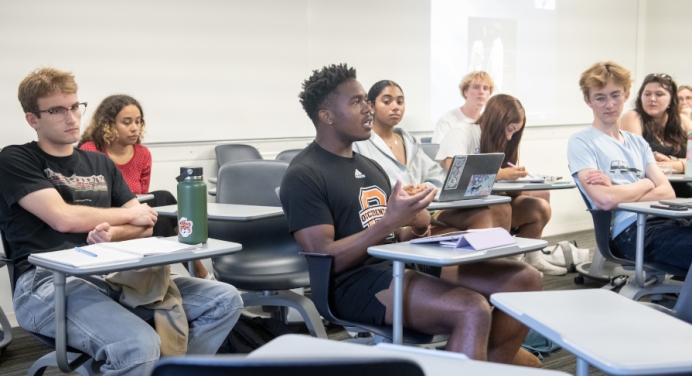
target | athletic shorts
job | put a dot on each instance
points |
(352, 296)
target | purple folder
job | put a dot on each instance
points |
(486, 239)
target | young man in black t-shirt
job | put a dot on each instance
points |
(52, 197)
(340, 203)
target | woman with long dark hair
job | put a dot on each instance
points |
(656, 117)
(501, 127)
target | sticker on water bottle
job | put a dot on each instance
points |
(184, 227)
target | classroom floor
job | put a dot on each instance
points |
(25, 349)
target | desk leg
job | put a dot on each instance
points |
(191, 268)
(639, 258)
(60, 322)
(582, 367)
(398, 302)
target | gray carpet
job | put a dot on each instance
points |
(25, 349)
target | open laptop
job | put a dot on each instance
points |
(470, 176)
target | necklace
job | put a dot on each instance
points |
(391, 147)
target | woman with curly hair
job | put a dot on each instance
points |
(117, 129)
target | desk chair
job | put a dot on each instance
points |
(288, 155)
(235, 152)
(269, 265)
(655, 273)
(683, 307)
(79, 362)
(426, 140)
(320, 267)
(241, 366)
(430, 149)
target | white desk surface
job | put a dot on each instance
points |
(609, 331)
(644, 207)
(467, 204)
(432, 362)
(513, 187)
(434, 255)
(229, 212)
(212, 248)
(679, 178)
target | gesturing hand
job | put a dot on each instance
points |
(414, 189)
(402, 208)
(101, 234)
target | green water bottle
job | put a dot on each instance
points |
(192, 206)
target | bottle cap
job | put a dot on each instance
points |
(186, 172)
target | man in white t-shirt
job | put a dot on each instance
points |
(612, 166)
(476, 88)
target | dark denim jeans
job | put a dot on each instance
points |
(666, 241)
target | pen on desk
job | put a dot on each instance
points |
(84, 251)
(510, 164)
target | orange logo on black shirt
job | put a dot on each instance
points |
(373, 204)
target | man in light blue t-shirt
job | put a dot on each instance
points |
(612, 166)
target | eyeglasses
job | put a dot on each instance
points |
(662, 75)
(615, 98)
(59, 114)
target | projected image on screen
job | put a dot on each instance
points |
(492, 48)
(513, 40)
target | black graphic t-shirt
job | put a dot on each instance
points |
(83, 178)
(323, 188)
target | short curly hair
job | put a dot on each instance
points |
(41, 83)
(101, 130)
(318, 90)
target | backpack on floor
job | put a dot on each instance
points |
(566, 255)
(249, 334)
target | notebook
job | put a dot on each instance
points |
(470, 176)
(114, 252)
(472, 240)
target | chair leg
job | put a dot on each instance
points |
(631, 291)
(303, 305)
(6, 329)
(88, 368)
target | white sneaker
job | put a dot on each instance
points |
(544, 266)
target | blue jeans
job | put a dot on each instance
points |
(98, 325)
(666, 241)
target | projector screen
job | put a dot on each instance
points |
(534, 50)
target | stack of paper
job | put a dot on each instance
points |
(472, 240)
(114, 252)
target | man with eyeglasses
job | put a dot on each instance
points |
(612, 166)
(52, 197)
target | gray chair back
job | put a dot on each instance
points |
(430, 150)
(288, 155)
(683, 307)
(270, 259)
(236, 152)
(250, 182)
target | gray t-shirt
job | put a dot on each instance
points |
(624, 163)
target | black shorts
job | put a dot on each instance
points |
(352, 296)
